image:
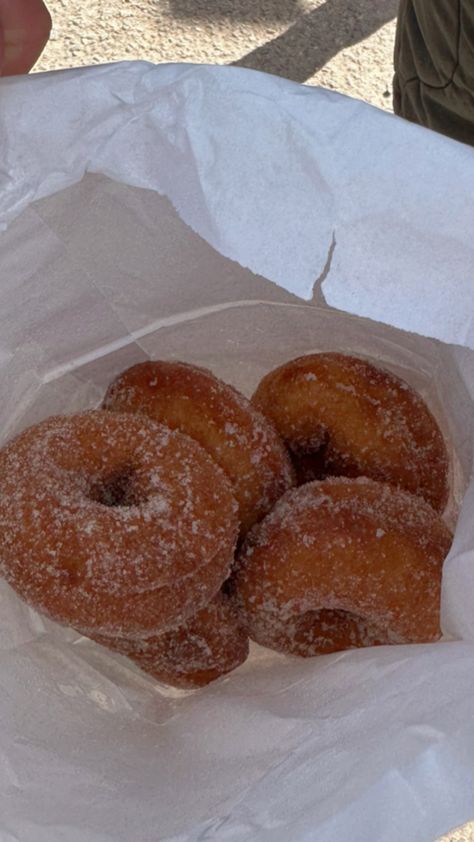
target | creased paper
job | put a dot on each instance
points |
(397, 200)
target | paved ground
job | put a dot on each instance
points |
(464, 834)
(342, 44)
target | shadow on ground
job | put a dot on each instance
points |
(237, 10)
(315, 37)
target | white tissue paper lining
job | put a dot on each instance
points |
(301, 187)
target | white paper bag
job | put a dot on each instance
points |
(132, 199)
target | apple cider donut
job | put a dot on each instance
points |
(208, 645)
(343, 563)
(111, 521)
(342, 416)
(216, 415)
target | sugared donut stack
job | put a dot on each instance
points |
(353, 557)
(343, 563)
(124, 522)
(125, 528)
(117, 526)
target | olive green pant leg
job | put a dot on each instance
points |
(434, 65)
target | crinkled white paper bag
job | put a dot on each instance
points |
(100, 171)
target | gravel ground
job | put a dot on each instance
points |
(345, 45)
(342, 44)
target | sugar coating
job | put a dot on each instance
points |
(209, 644)
(342, 416)
(111, 521)
(342, 563)
(223, 421)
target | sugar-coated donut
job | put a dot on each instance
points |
(113, 522)
(343, 563)
(341, 416)
(223, 421)
(209, 644)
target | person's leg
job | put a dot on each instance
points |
(434, 65)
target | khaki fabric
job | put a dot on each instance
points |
(434, 65)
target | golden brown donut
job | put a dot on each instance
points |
(222, 420)
(342, 416)
(343, 563)
(111, 521)
(208, 645)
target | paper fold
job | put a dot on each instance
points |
(218, 141)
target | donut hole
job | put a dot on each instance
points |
(325, 630)
(117, 488)
(316, 459)
(308, 457)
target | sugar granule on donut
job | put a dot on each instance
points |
(208, 645)
(343, 563)
(222, 420)
(343, 416)
(111, 521)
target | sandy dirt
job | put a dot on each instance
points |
(346, 45)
